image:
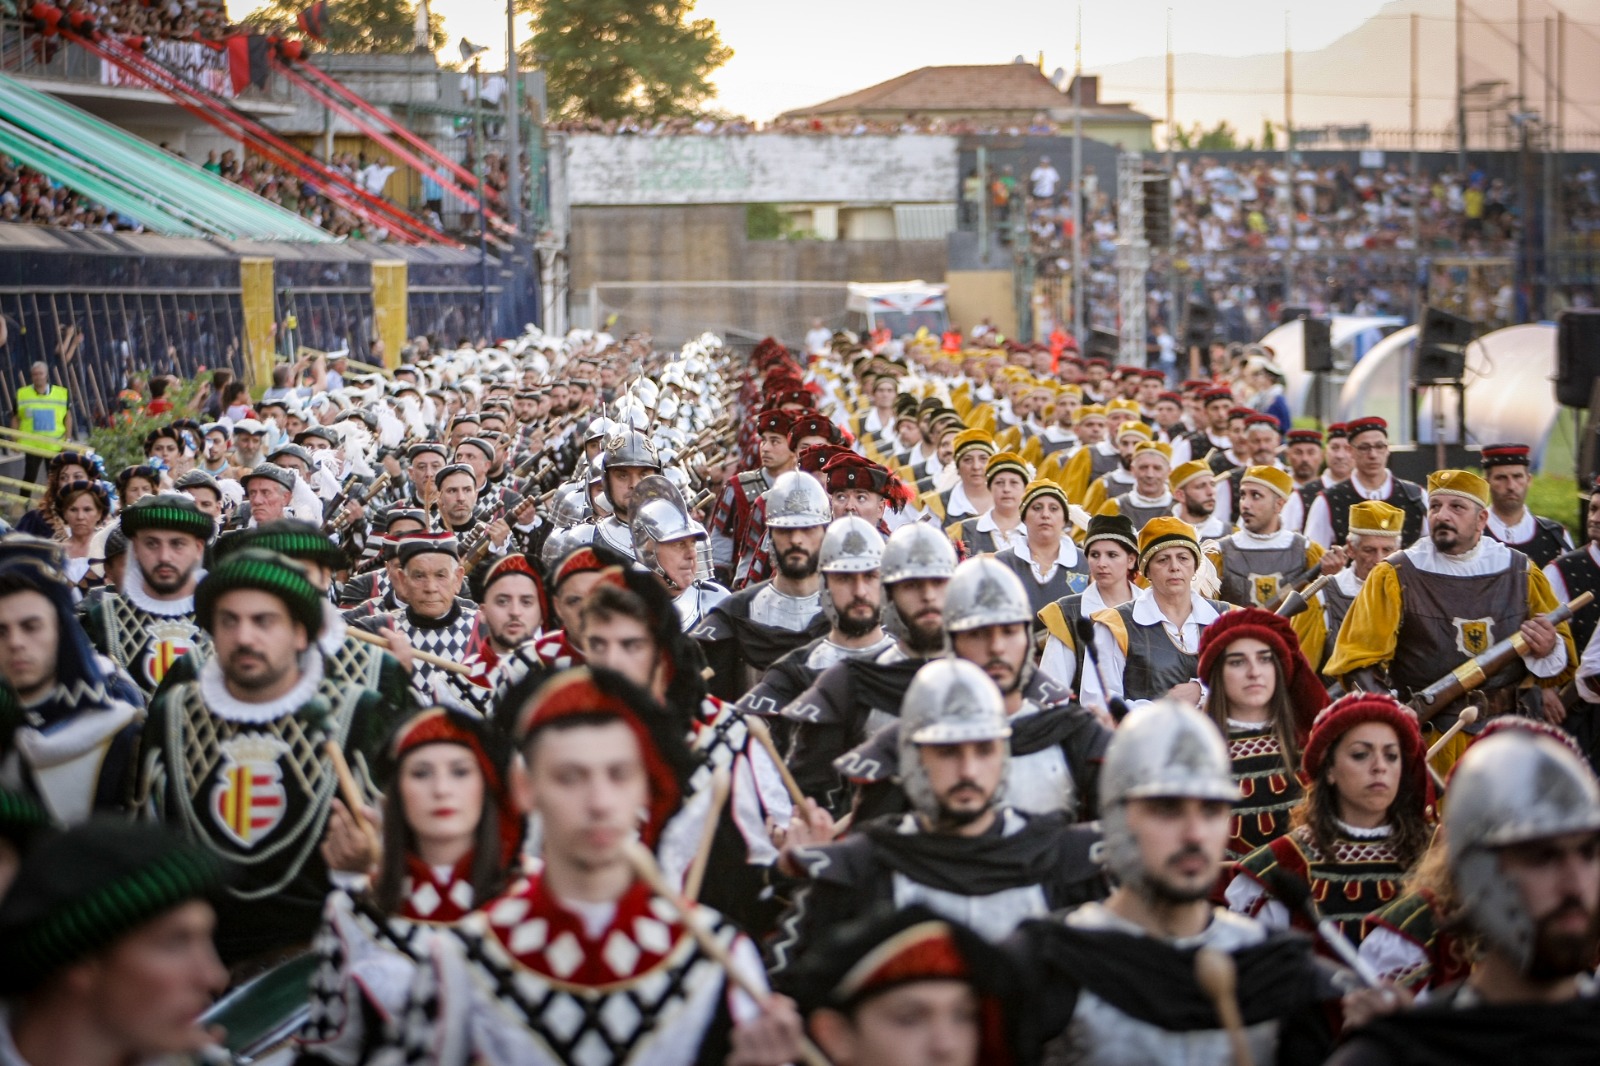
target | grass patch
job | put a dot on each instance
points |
(1556, 496)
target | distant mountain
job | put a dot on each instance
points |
(1365, 76)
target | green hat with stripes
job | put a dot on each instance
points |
(255, 568)
(167, 511)
(294, 537)
(83, 889)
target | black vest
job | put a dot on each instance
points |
(1578, 570)
(1544, 546)
(1308, 494)
(1406, 495)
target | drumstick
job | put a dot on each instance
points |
(758, 730)
(1467, 716)
(423, 656)
(721, 783)
(350, 792)
(644, 864)
(1217, 976)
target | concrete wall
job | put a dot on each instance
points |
(760, 168)
(771, 286)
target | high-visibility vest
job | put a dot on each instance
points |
(45, 415)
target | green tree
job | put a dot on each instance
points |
(354, 25)
(1269, 136)
(608, 59)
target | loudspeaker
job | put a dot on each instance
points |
(1101, 344)
(1442, 348)
(1577, 356)
(1318, 345)
(1287, 315)
(1202, 325)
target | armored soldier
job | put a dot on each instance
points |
(732, 514)
(668, 543)
(953, 751)
(629, 457)
(1165, 799)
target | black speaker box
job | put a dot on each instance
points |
(1318, 345)
(1442, 348)
(1577, 356)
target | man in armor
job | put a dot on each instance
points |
(1505, 468)
(1370, 479)
(1446, 599)
(628, 459)
(953, 756)
(578, 961)
(732, 514)
(1522, 841)
(747, 632)
(1166, 798)
(849, 563)
(1258, 560)
(72, 743)
(755, 553)
(856, 697)
(669, 543)
(1056, 745)
(151, 622)
(1149, 647)
(238, 759)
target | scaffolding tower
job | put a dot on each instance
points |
(1133, 260)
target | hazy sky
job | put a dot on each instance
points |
(790, 55)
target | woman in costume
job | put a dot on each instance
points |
(1361, 826)
(1046, 559)
(82, 507)
(1111, 553)
(451, 835)
(1263, 695)
(64, 469)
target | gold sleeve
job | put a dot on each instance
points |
(1542, 600)
(1113, 621)
(1095, 497)
(1076, 477)
(1056, 624)
(1370, 630)
(1311, 627)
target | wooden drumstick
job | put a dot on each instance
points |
(644, 864)
(350, 792)
(1217, 976)
(1467, 716)
(422, 656)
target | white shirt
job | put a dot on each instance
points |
(1559, 583)
(1058, 660)
(1066, 556)
(1113, 660)
(1521, 531)
(817, 341)
(1003, 538)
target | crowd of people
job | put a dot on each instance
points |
(568, 700)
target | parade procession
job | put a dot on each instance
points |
(506, 569)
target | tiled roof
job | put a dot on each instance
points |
(995, 87)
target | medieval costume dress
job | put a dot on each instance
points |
(141, 634)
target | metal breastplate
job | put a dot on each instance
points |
(614, 535)
(992, 917)
(1041, 782)
(1251, 577)
(1449, 619)
(1154, 662)
(147, 644)
(772, 608)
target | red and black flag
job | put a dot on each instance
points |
(314, 21)
(249, 62)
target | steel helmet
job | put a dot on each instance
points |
(570, 505)
(1511, 788)
(985, 592)
(1161, 750)
(798, 501)
(851, 546)
(917, 550)
(659, 516)
(562, 542)
(599, 429)
(949, 701)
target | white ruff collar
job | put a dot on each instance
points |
(133, 588)
(220, 702)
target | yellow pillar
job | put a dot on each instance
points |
(260, 312)
(389, 308)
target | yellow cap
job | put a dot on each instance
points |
(1270, 478)
(1463, 483)
(1164, 531)
(1042, 487)
(1072, 390)
(1159, 447)
(968, 439)
(1374, 518)
(1135, 429)
(1091, 410)
(1119, 404)
(1186, 473)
